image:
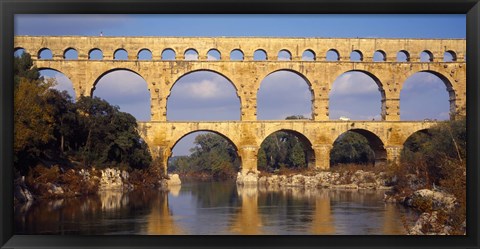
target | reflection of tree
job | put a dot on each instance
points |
(248, 220)
(214, 194)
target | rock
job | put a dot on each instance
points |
(173, 180)
(428, 224)
(250, 179)
(54, 189)
(296, 181)
(345, 186)
(368, 185)
(111, 179)
(439, 200)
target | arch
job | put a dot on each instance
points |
(120, 54)
(45, 54)
(308, 55)
(379, 56)
(449, 56)
(363, 90)
(64, 83)
(260, 55)
(236, 55)
(282, 90)
(144, 54)
(18, 51)
(426, 56)
(375, 142)
(176, 140)
(304, 141)
(140, 103)
(450, 91)
(168, 54)
(332, 55)
(70, 54)
(284, 55)
(190, 55)
(208, 92)
(356, 55)
(214, 55)
(403, 56)
(421, 131)
(95, 54)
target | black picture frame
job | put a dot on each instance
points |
(8, 8)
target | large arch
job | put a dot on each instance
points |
(364, 91)
(64, 82)
(130, 97)
(300, 106)
(203, 91)
(375, 142)
(178, 138)
(450, 92)
(304, 140)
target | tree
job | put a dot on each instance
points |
(351, 147)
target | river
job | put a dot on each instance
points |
(216, 208)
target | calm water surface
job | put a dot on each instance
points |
(216, 208)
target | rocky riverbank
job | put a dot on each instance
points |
(323, 179)
(52, 183)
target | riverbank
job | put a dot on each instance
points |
(56, 183)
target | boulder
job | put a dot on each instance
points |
(173, 180)
(438, 199)
(250, 179)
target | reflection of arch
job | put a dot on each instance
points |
(114, 70)
(177, 139)
(377, 81)
(375, 142)
(448, 85)
(307, 145)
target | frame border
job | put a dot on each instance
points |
(8, 8)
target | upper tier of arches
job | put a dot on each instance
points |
(416, 50)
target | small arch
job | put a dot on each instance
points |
(356, 55)
(144, 54)
(45, 54)
(289, 141)
(120, 54)
(236, 55)
(213, 55)
(403, 56)
(308, 55)
(18, 52)
(449, 56)
(191, 55)
(426, 56)
(284, 55)
(332, 55)
(260, 55)
(95, 54)
(168, 54)
(70, 54)
(379, 56)
(374, 141)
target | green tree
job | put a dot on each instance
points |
(351, 147)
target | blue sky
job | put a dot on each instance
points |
(208, 96)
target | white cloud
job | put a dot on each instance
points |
(354, 84)
(191, 56)
(423, 81)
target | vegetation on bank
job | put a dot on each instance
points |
(53, 134)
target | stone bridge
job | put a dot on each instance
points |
(246, 74)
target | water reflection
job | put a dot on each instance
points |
(215, 208)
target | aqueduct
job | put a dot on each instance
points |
(386, 136)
